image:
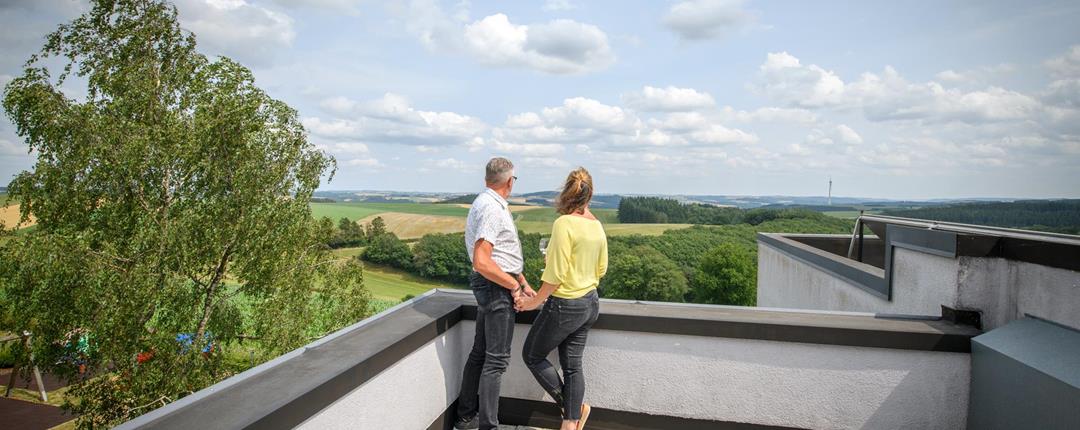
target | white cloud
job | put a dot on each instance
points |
(581, 112)
(391, 119)
(706, 19)
(12, 149)
(847, 135)
(558, 5)
(888, 96)
(345, 148)
(770, 114)
(530, 149)
(831, 135)
(786, 79)
(670, 99)
(363, 162)
(545, 162)
(561, 46)
(950, 76)
(237, 29)
(1063, 93)
(1067, 65)
(718, 134)
(453, 164)
(348, 6)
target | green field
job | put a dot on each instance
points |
(390, 284)
(548, 215)
(849, 214)
(612, 229)
(355, 211)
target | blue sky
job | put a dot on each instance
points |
(919, 99)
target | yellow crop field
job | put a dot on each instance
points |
(513, 208)
(413, 226)
(9, 216)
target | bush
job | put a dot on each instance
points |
(442, 256)
(644, 273)
(726, 275)
(388, 250)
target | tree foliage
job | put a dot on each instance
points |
(643, 273)
(726, 275)
(348, 234)
(387, 249)
(1061, 216)
(442, 256)
(171, 192)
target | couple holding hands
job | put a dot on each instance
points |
(576, 259)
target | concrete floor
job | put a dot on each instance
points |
(502, 427)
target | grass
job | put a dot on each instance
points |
(613, 229)
(355, 211)
(385, 283)
(849, 214)
(606, 216)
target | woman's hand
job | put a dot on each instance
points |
(523, 304)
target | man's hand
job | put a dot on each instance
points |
(527, 290)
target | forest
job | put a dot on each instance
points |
(1058, 216)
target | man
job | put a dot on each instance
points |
(493, 246)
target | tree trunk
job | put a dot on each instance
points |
(211, 291)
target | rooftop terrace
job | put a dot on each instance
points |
(650, 365)
(889, 342)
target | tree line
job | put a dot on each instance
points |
(700, 264)
(658, 210)
(1060, 216)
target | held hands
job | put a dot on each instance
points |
(525, 298)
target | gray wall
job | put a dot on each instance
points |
(736, 380)
(409, 395)
(1003, 290)
(923, 283)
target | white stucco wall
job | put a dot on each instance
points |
(921, 285)
(408, 395)
(763, 382)
(1003, 290)
(1007, 290)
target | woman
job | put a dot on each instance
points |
(576, 260)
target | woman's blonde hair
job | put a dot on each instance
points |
(576, 192)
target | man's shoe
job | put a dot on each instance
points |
(585, 409)
(470, 424)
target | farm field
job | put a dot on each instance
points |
(849, 214)
(9, 213)
(413, 220)
(390, 284)
(414, 226)
(612, 229)
(356, 211)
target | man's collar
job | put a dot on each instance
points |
(498, 197)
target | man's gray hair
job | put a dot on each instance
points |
(498, 170)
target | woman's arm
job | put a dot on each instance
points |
(529, 303)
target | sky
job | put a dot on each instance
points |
(901, 100)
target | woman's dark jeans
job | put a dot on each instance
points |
(563, 324)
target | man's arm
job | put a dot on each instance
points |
(486, 267)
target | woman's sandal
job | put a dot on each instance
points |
(585, 409)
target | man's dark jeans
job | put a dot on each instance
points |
(490, 352)
(562, 323)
